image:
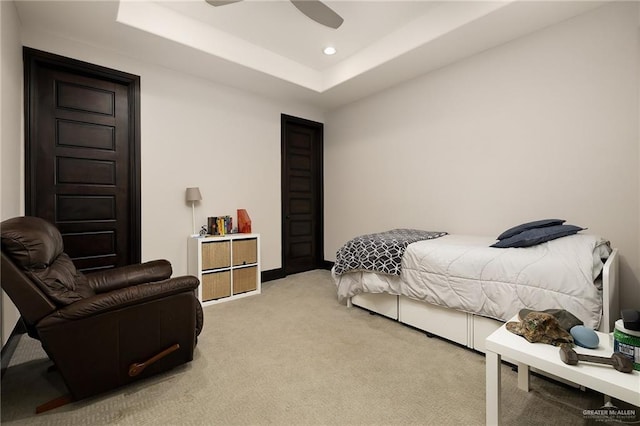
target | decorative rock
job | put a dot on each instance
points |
(585, 337)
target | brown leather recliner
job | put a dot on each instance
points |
(102, 329)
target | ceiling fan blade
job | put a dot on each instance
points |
(319, 12)
(221, 2)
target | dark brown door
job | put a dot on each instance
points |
(83, 157)
(302, 205)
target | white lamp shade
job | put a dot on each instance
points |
(193, 194)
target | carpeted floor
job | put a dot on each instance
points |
(295, 356)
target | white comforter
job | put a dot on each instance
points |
(464, 273)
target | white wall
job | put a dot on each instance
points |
(11, 135)
(197, 133)
(543, 126)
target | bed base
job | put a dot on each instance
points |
(471, 330)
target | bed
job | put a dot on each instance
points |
(459, 288)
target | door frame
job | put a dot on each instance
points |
(34, 57)
(318, 128)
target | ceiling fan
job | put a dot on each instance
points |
(314, 9)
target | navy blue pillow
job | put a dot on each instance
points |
(529, 225)
(531, 237)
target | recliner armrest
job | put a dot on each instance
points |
(121, 298)
(131, 275)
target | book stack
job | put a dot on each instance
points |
(220, 225)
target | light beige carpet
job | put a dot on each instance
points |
(295, 356)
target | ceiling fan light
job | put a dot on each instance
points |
(329, 50)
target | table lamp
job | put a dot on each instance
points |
(193, 195)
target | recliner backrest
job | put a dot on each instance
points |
(32, 243)
(35, 247)
(32, 303)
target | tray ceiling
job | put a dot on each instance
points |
(269, 47)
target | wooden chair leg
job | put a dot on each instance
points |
(54, 403)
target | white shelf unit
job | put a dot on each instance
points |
(228, 267)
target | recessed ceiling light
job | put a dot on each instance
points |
(330, 50)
